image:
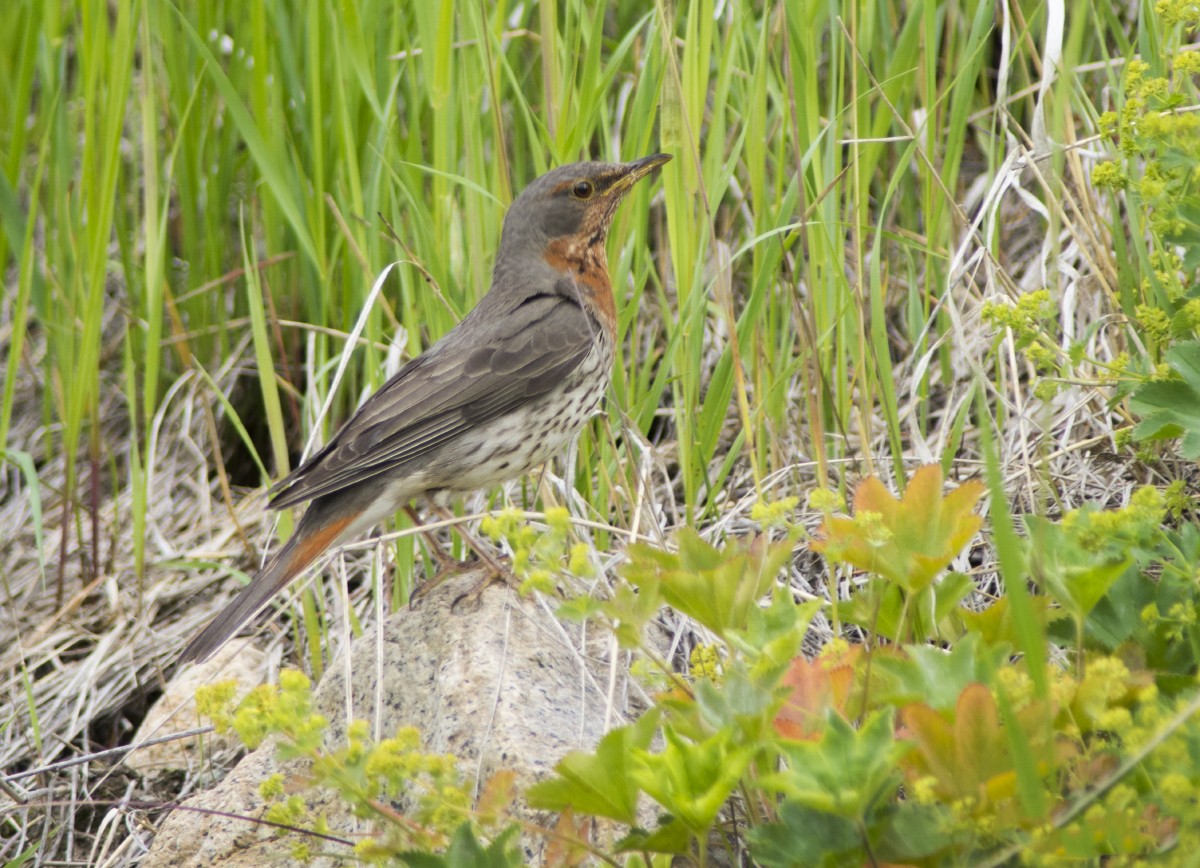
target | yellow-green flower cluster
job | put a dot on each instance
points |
(291, 811)
(1098, 696)
(1188, 318)
(1178, 623)
(538, 556)
(1187, 62)
(286, 710)
(1115, 369)
(1185, 13)
(1043, 358)
(705, 661)
(775, 513)
(1177, 500)
(1109, 174)
(1024, 318)
(1154, 321)
(826, 500)
(1136, 524)
(399, 760)
(1016, 685)
(215, 702)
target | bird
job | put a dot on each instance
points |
(504, 390)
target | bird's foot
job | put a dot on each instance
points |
(493, 573)
(493, 569)
(488, 559)
(449, 568)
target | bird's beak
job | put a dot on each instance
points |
(639, 169)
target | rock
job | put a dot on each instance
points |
(175, 711)
(501, 685)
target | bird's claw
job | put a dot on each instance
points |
(493, 574)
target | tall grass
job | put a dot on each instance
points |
(200, 201)
(176, 176)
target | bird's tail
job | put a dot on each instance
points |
(315, 533)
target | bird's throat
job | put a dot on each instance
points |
(587, 265)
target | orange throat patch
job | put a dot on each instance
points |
(587, 265)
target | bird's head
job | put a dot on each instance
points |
(572, 205)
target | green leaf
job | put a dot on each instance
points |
(949, 592)
(1075, 576)
(774, 634)
(466, 851)
(806, 837)
(580, 608)
(1170, 408)
(737, 701)
(671, 836)
(933, 676)
(601, 783)
(692, 779)
(630, 611)
(997, 624)
(843, 773)
(1145, 615)
(877, 606)
(717, 587)
(912, 831)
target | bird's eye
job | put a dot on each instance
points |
(582, 190)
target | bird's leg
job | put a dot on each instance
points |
(485, 552)
(445, 561)
(495, 569)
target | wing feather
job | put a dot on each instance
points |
(464, 381)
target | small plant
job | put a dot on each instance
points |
(1170, 406)
(1150, 185)
(1154, 178)
(901, 750)
(931, 743)
(904, 546)
(371, 779)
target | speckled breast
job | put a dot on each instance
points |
(517, 442)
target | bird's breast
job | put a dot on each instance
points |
(513, 444)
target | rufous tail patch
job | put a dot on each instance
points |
(309, 549)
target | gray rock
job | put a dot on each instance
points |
(501, 684)
(175, 711)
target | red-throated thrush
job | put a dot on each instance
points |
(508, 387)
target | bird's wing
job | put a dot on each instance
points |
(462, 382)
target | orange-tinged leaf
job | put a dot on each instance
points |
(872, 496)
(935, 746)
(979, 744)
(498, 793)
(909, 540)
(816, 686)
(841, 675)
(921, 504)
(963, 754)
(568, 845)
(803, 712)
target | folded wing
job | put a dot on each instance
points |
(465, 382)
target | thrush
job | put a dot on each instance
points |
(503, 391)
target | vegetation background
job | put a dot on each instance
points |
(893, 234)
